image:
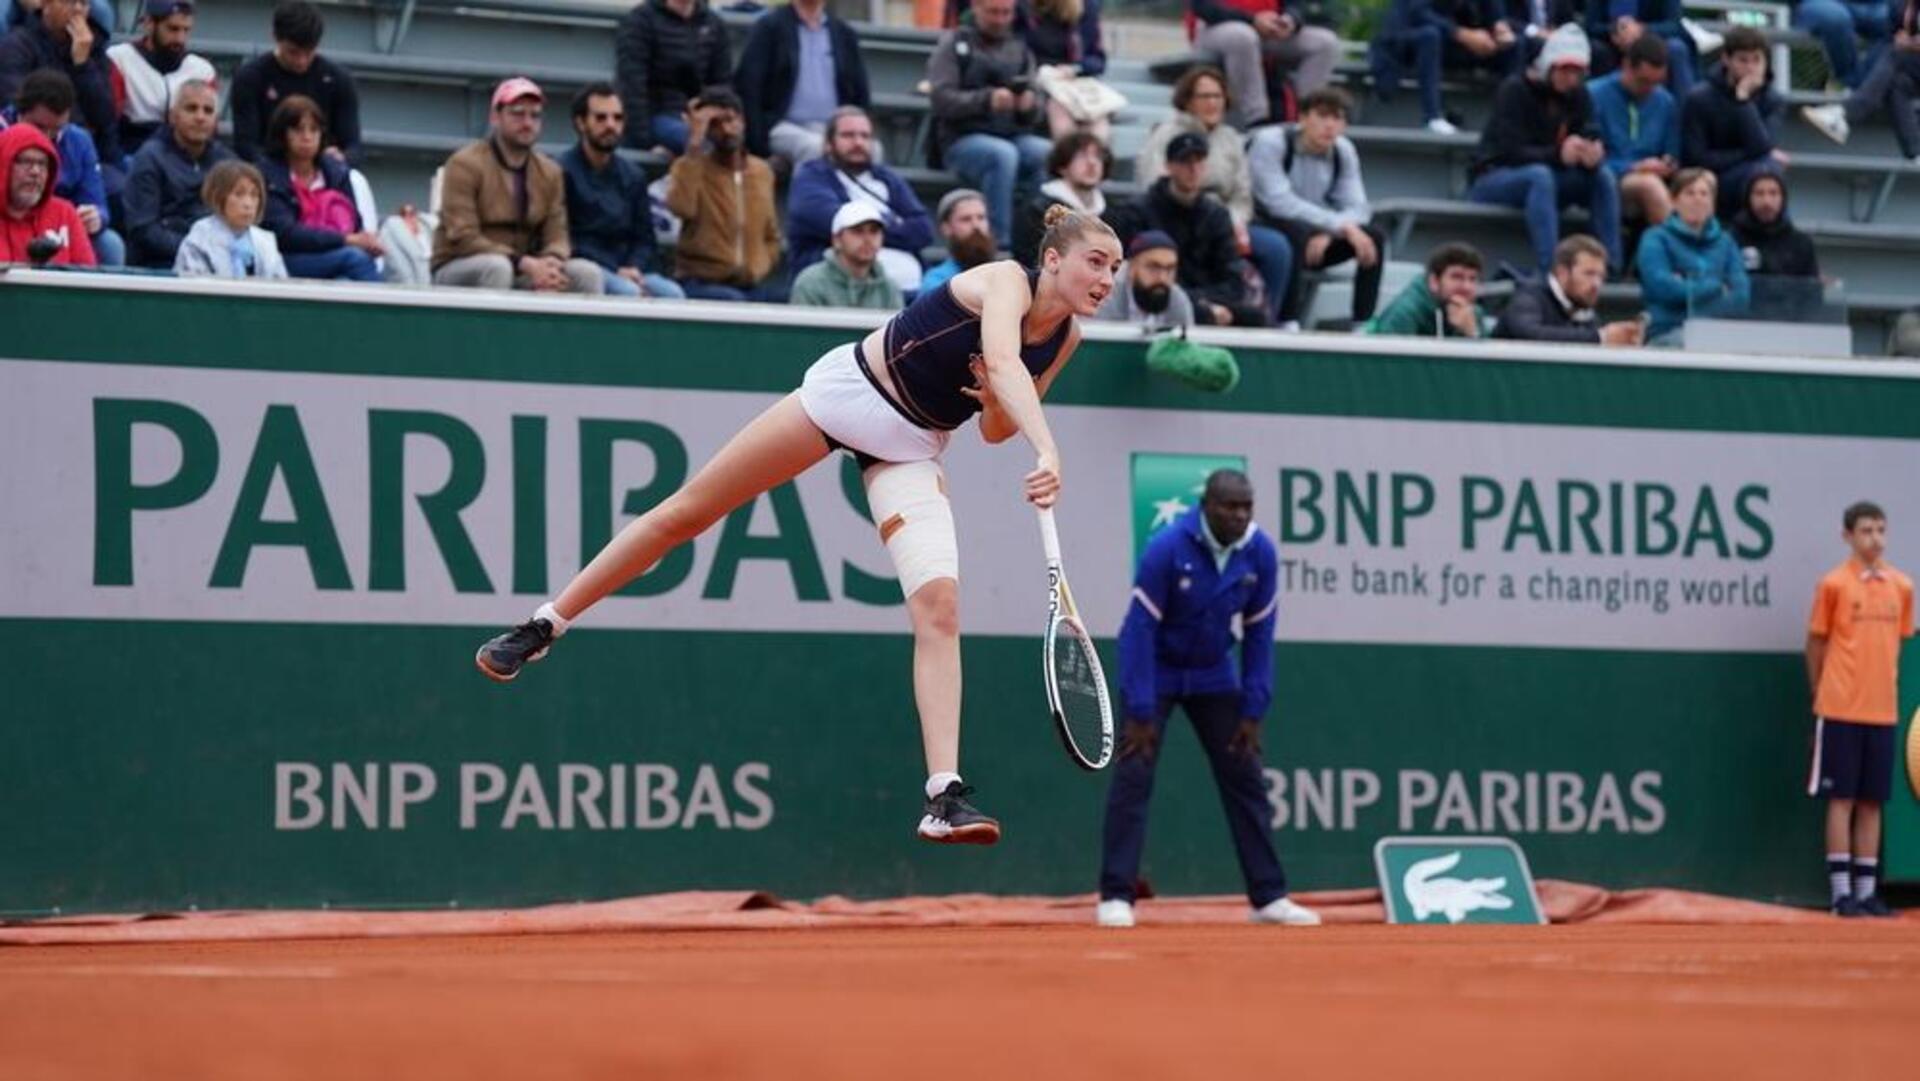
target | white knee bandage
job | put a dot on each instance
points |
(910, 506)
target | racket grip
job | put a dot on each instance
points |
(1049, 535)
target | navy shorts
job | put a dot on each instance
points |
(1852, 761)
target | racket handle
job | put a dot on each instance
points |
(1049, 535)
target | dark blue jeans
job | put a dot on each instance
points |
(1893, 85)
(1273, 257)
(1540, 191)
(340, 264)
(771, 291)
(1243, 795)
(1419, 49)
(1835, 23)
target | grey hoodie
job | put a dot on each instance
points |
(1307, 194)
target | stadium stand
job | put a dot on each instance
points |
(426, 66)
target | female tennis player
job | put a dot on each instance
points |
(990, 341)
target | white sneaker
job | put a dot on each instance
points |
(1115, 913)
(1291, 326)
(1284, 911)
(1440, 125)
(1829, 120)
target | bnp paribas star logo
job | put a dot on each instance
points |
(1167, 486)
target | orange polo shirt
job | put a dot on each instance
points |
(1863, 615)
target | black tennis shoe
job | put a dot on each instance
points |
(951, 820)
(502, 658)
(1873, 906)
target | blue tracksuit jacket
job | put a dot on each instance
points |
(1178, 636)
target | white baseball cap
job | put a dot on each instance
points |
(856, 212)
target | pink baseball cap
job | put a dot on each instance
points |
(516, 88)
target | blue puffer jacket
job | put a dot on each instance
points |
(1178, 635)
(1686, 272)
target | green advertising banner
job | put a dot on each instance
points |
(252, 537)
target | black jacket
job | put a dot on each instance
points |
(262, 84)
(661, 61)
(1776, 248)
(29, 48)
(1210, 264)
(1529, 122)
(1719, 132)
(163, 198)
(282, 217)
(770, 67)
(1535, 314)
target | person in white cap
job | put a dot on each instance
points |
(848, 277)
(503, 208)
(1541, 150)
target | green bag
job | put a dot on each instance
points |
(1202, 367)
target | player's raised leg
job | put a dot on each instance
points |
(772, 449)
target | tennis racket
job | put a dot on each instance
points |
(1076, 684)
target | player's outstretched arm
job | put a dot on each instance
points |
(1005, 303)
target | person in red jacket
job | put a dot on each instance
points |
(30, 166)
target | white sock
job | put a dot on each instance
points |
(1866, 874)
(938, 783)
(1840, 875)
(554, 619)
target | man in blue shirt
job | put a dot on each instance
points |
(1204, 581)
(1639, 122)
(799, 65)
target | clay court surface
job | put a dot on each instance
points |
(1811, 1000)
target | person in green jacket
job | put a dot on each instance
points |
(849, 276)
(1444, 304)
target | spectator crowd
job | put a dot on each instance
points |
(1660, 139)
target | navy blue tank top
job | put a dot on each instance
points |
(930, 349)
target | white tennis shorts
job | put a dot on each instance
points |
(842, 402)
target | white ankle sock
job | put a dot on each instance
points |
(554, 619)
(938, 783)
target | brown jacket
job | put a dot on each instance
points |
(729, 234)
(478, 213)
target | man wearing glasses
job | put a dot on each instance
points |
(33, 212)
(503, 212)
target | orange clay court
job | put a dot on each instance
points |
(726, 986)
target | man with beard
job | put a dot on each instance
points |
(149, 71)
(1148, 291)
(63, 39)
(1179, 205)
(46, 102)
(503, 208)
(1443, 304)
(609, 214)
(969, 236)
(1559, 306)
(849, 276)
(29, 167)
(723, 196)
(163, 185)
(847, 173)
(1780, 259)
